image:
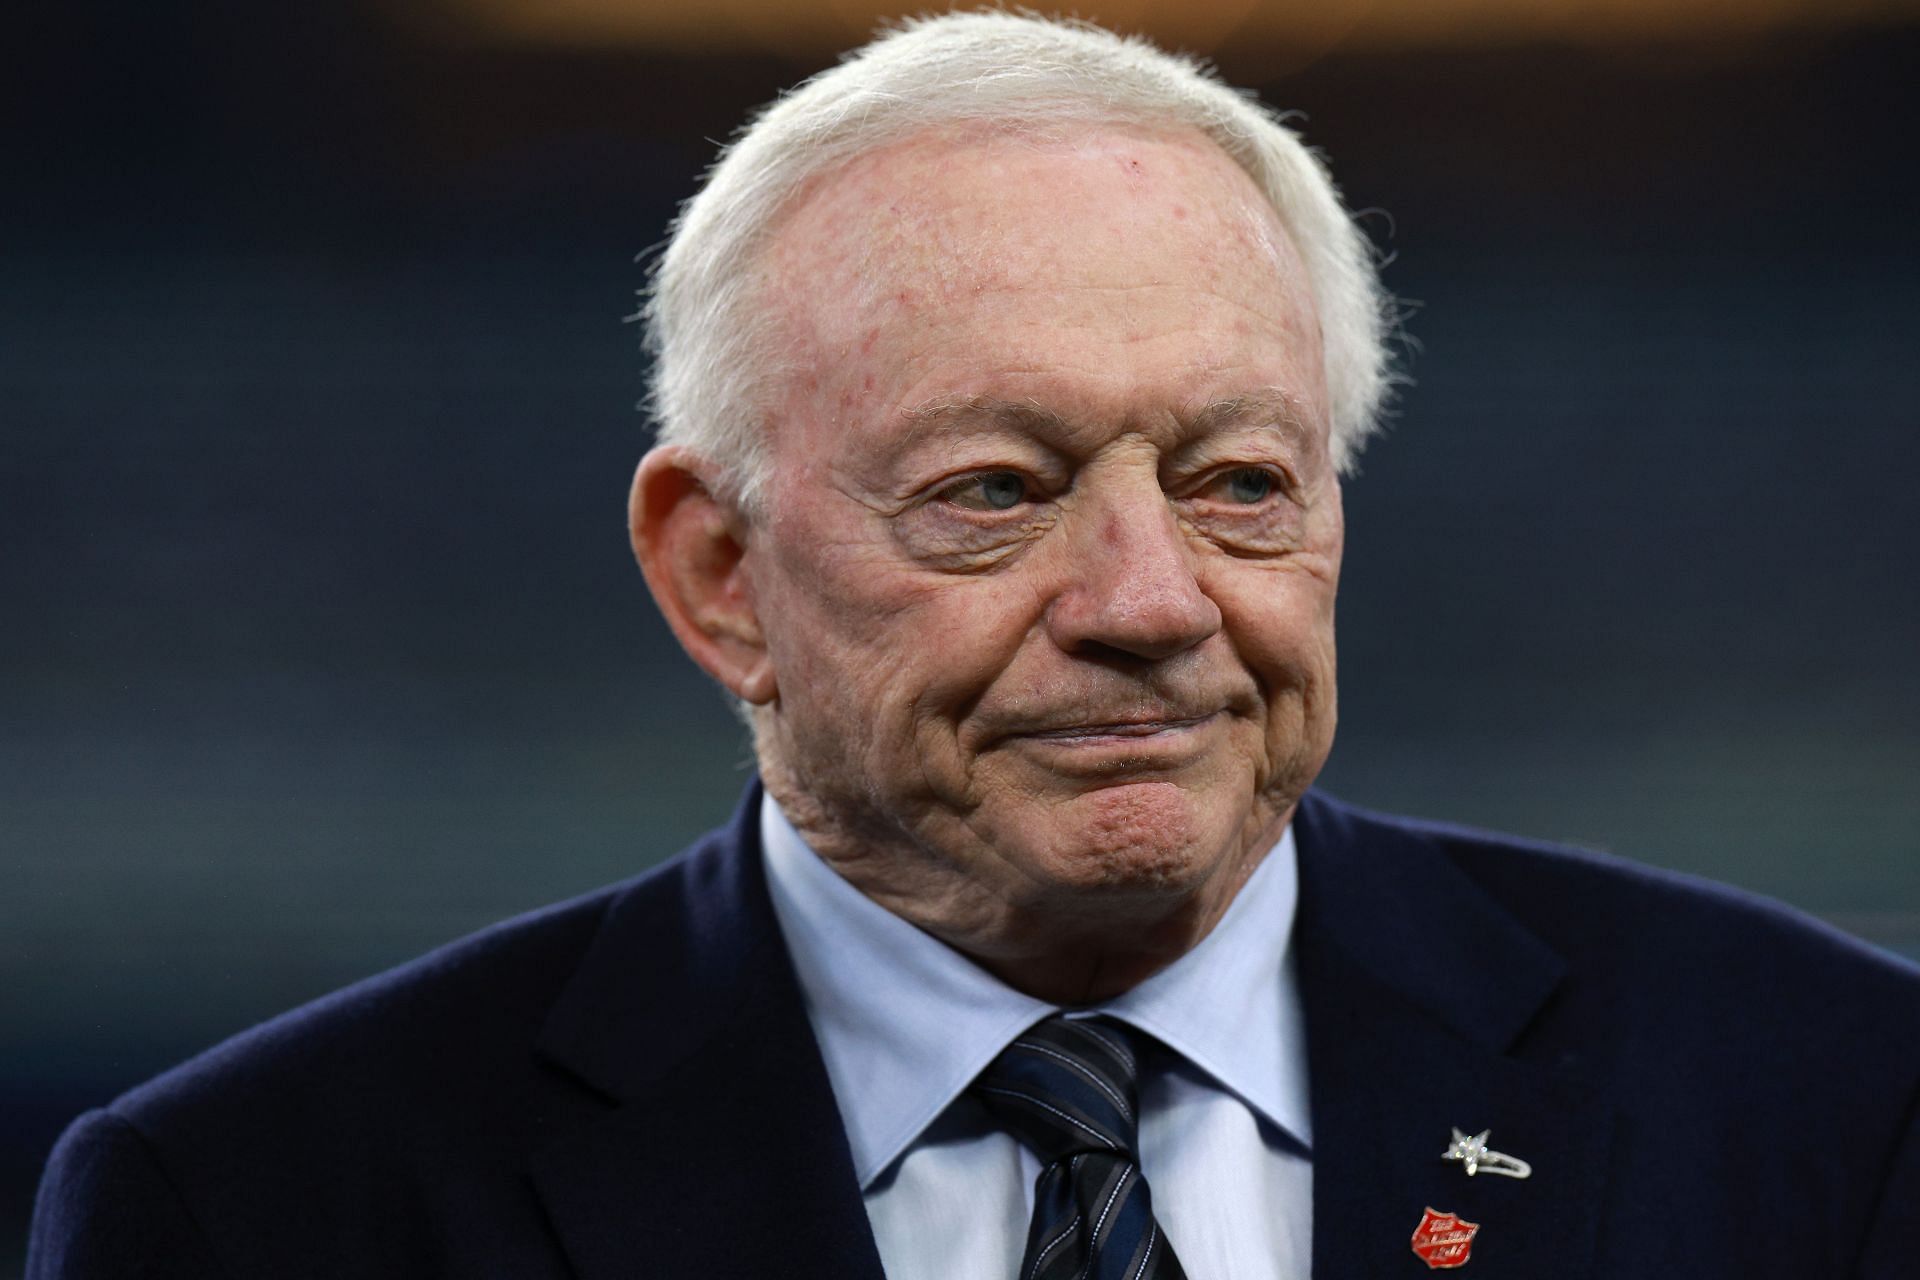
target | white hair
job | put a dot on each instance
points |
(716, 356)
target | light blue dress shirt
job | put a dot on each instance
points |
(905, 1023)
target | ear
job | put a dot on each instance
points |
(692, 549)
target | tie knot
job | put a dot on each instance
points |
(1067, 1086)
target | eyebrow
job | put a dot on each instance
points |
(1266, 406)
(954, 411)
(1269, 406)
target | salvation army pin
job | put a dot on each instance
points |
(1474, 1153)
(1443, 1240)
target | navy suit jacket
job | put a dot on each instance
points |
(627, 1085)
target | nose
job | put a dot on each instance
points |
(1128, 586)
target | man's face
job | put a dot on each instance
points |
(1047, 566)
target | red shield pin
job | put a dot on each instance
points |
(1444, 1240)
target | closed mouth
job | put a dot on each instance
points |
(1119, 729)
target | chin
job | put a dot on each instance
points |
(1149, 839)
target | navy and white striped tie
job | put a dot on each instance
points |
(1068, 1089)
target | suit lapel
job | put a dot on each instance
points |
(707, 1142)
(1418, 991)
(686, 1027)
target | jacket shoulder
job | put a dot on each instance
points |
(1584, 904)
(395, 1119)
(1596, 900)
(463, 1012)
(310, 1141)
(1658, 968)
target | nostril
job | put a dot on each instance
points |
(1140, 610)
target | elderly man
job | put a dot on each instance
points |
(1006, 376)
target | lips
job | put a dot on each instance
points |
(1105, 751)
(1076, 713)
(1117, 728)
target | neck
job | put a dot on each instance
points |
(1064, 946)
(1044, 958)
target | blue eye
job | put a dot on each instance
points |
(994, 491)
(1248, 485)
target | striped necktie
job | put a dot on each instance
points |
(1068, 1089)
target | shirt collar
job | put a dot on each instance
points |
(905, 1022)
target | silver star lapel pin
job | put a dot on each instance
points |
(1478, 1157)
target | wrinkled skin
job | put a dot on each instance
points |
(1038, 614)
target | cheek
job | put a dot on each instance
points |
(1289, 645)
(823, 631)
(1280, 621)
(875, 659)
(959, 638)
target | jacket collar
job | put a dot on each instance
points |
(1419, 991)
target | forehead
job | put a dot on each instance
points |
(957, 210)
(1090, 271)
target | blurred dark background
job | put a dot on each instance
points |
(322, 645)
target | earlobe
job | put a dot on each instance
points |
(691, 546)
